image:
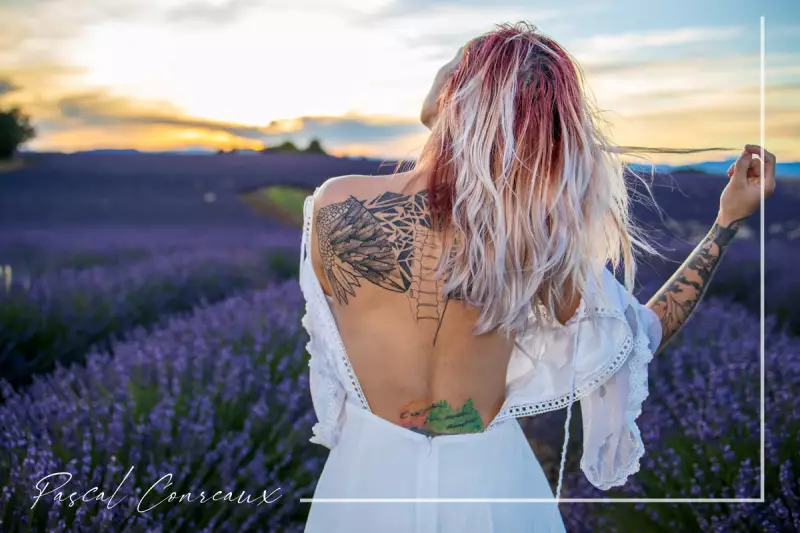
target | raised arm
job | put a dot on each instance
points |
(679, 296)
(430, 107)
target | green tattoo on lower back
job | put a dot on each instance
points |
(440, 418)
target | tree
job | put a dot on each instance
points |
(314, 147)
(15, 129)
(287, 146)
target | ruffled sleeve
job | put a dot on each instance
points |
(612, 443)
(598, 358)
(327, 393)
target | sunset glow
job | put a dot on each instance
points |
(244, 74)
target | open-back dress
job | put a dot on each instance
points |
(380, 477)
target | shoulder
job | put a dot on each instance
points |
(332, 200)
(341, 188)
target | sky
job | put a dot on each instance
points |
(222, 74)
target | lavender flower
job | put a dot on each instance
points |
(701, 430)
(57, 316)
(218, 399)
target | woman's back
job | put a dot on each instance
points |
(533, 204)
(527, 204)
(409, 357)
(413, 350)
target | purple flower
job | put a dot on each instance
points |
(200, 398)
(701, 430)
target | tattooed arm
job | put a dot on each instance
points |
(679, 296)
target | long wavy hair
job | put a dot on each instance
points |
(530, 193)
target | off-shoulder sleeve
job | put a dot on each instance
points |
(598, 358)
(612, 442)
(327, 392)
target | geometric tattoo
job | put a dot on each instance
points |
(679, 296)
(440, 418)
(387, 241)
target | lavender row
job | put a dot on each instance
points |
(57, 316)
(149, 190)
(37, 251)
(739, 274)
(218, 399)
(701, 430)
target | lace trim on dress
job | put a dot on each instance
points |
(324, 430)
(604, 374)
(331, 322)
(325, 337)
(324, 380)
(331, 334)
(638, 392)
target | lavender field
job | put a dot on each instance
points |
(150, 318)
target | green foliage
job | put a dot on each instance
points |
(37, 335)
(15, 129)
(213, 399)
(289, 198)
(286, 146)
(283, 265)
(702, 433)
(314, 147)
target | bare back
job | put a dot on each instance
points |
(413, 351)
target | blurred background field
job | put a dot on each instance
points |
(150, 316)
(154, 157)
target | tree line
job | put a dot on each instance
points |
(314, 147)
(16, 129)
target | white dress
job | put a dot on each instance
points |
(380, 477)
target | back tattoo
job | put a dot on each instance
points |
(387, 241)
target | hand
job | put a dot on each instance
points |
(742, 195)
(430, 107)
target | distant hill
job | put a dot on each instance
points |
(110, 151)
(130, 151)
(784, 170)
(200, 150)
(789, 169)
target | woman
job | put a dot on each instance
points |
(447, 301)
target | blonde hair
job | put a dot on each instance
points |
(524, 178)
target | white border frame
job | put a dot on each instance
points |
(761, 499)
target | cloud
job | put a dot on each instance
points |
(44, 23)
(598, 51)
(213, 12)
(96, 119)
(69, 62)
(448, 23)
(450, 41)
(97, 110)
(731, 122)
(624, 42)
(787, 129)
(358, 129)
(402, 8)
(406, 147)
(663, 85)
(227, 11)
(101, 109)
(602, 49)
(36, 39)
(7, 87)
